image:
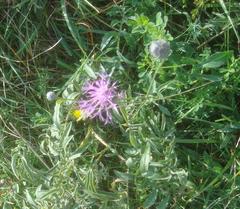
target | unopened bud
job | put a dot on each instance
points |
(51, 96)
(160, 49)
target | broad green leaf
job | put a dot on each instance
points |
(217, 60)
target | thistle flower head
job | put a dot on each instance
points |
(99, 98)
(160, 49)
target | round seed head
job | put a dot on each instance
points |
(160, 49)
(51, 96)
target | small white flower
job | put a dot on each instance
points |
(51, 96)
(160, 49)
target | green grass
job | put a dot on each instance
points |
(174, 143)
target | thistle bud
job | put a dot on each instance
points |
(51, 96)
(160, 49)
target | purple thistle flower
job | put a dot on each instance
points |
(100, 96)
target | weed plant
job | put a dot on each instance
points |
(173, 141)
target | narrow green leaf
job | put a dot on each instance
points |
(164, 203)
(71, 26)
(90, 182)
(89, 71)
(217, 60)
(159, 20)
(56, 115)
(66, 137)
(106, 40)
(43, 194)
(145, 160)
(30, 199)
(13, 164)
(123, 176)
(164, 110)
(102, 195)
(212, 78)
(150, 199)
(6, 206)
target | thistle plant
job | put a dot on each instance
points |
(176, 143)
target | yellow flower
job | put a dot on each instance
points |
(78, 114)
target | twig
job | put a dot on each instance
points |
(107, 145)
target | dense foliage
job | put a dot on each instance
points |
(174, 141)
